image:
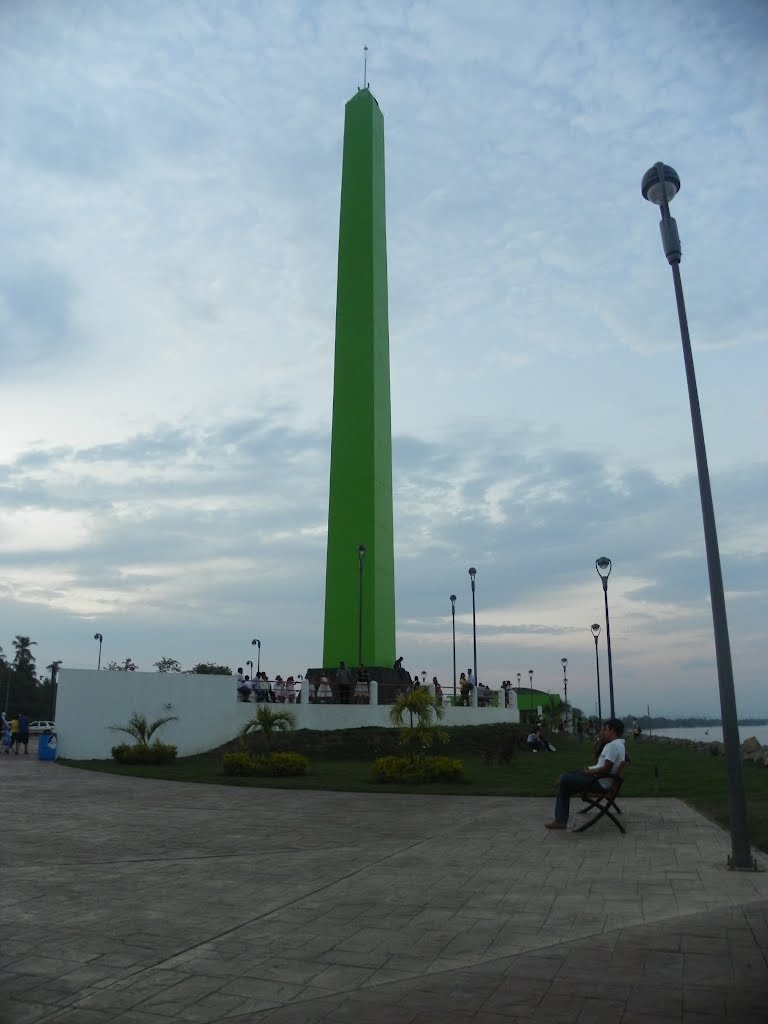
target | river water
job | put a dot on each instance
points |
(715, 732)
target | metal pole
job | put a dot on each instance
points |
(597, 669)
(741, 854)
(453, 620)
(564, 663)
(530, 684)
(665, 178)
(100, 638)
(474, 633)
(608, 635)
(565, 688)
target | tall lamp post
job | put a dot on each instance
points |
(249, 662)
(472, 574)
(564, 663)
(361, 553)
(257, 643)
(100, 638)
(596, 633)
(660, 185)
(604, 566)
(453, 622)
(530, 686)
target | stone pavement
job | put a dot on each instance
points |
(128, 901)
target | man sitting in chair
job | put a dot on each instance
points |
(610, 760)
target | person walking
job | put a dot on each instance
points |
(22, 739)
(5, 734)
(15, 733)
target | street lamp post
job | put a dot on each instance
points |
(530, 685)
(564, 663)
(257, 643)
(361, 553)
(604, 566)
(660, 185)
(453, 622)
(596, 633)
(472, 574)
(100, 638)
(249, 662)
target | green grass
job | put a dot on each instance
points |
(341, 761)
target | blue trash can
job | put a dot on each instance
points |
(47, 747)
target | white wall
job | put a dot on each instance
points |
(209, 714)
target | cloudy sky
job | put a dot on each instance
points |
(169, 190)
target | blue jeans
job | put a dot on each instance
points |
(570, 783)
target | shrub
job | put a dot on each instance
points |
(417, 771)
(266, 765)
(237, 764)
(141, 753)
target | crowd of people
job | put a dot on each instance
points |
(348, 685)
(15, 733)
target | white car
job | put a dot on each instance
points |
(38, 727)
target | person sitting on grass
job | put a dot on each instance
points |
(535, 742)
(612, 756)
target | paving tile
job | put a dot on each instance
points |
(18, 1012)
(336, 934)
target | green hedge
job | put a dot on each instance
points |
(420, 770)
(141, 753)
(266, 765)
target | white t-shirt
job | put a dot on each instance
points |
(615, 752)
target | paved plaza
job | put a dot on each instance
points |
(128, 901)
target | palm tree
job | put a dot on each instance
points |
(24, 659)
(423, 711)
(141, 728)
(53, 668)
(268, 722)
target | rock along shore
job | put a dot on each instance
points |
(751, 749)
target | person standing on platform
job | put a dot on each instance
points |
(345, 681)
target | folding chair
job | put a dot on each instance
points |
(604, 802)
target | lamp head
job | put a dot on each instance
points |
(98, 636)
(362, 551)
(453, 599)
(256, 643)
(603, 566)
(563, 662)
(660, 184)
(530, 672)
(472, 573)
(519, 677)
(595, 627)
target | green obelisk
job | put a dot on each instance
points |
(360, 500)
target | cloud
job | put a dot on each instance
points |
(170, 188)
